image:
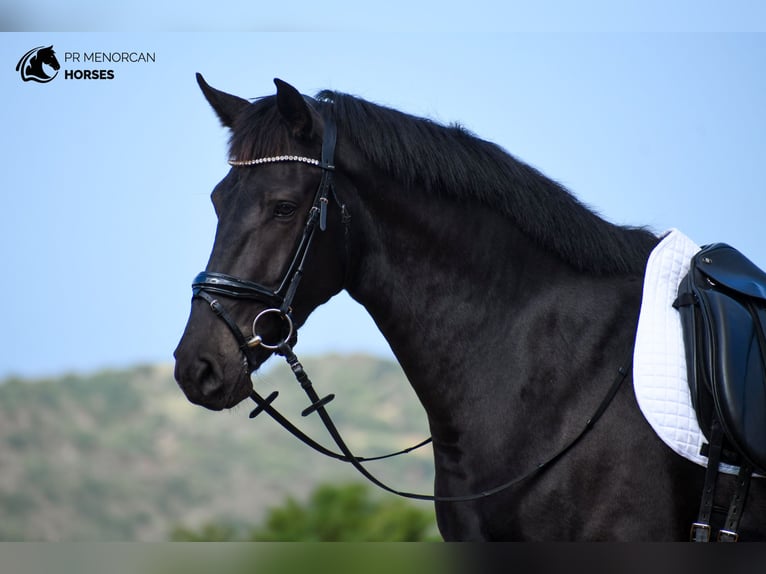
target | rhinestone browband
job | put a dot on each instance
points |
(274, 159)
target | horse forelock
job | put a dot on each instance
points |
(259, 131)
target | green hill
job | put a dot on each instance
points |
(121, 455)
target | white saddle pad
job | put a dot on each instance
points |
(659, 363)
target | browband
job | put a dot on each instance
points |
(274, 159)
(328, 151)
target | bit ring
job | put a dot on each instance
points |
(258, 340)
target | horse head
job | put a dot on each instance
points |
(48, 56)
(274, 228)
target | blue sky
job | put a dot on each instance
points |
(105, 185)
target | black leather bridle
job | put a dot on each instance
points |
(208, 284)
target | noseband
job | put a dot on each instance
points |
(208, 284)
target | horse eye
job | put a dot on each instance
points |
(284, 209)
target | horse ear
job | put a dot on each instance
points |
(225, 105)
(294, 109)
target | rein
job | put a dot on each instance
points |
(208, 284)
(318, 405)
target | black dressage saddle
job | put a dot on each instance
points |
(722, 302)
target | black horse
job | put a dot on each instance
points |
(509, 305)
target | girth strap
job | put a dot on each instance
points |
(730, 530)
(701, 531)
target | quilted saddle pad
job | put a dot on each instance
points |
(659, 363)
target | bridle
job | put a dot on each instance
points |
(279, 300)
(208, 284)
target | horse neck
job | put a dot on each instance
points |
(468, 303)
(435, 274)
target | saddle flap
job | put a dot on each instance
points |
(738, 381)
(722, 302)
(726, 266)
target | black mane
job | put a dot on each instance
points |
(449, 160)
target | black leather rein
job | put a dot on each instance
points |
(208, 284)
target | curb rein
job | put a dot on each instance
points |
(207, 283)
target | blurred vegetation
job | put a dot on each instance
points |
(333, 513)
(121, 455)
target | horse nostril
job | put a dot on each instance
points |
(209, 377)
(200, 378)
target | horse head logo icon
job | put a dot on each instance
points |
(31, 65)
